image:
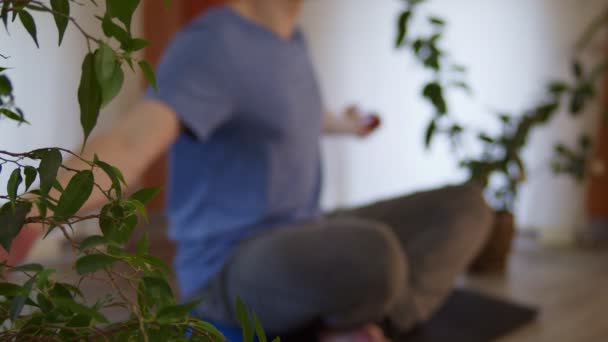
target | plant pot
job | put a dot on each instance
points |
(494, 256)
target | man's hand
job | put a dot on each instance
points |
(352, 122)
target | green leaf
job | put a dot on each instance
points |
(135, 45)
(92, 242)
(437, 21)
(119, 175)
(12, 218)
(141, 209)
(4, 13)
(204, 326)
(12, 115)
(143, 245)
(546, 111)
(430, 132)
(259, 329)
(122, 10)
(93, 263)
(434, 93)
(151, 265)
(20, 300)
(60, 291)
(61, 15)
(175, 313)
(35, 268)
(13, 184)
(585, 142)
(144, 196)
(117, 227)
(105, 63)
(57, 186)
(158, 291)
(17, 305)
(459, 68)
(44, 304)
(29, 24)
(89, 96)
(146, 68)
(79, 321)
(48, 168)
(402, 27)
(111, 88)
(76, 308)
(244, 321)
(66, 290)
(485, 138)
(579, 99)
(577, 69)
(43, 277)
(557, 88)
(110, 29)
(463, 86)
(77, 192)
(30, 176)
(6, 87)
(110, 171)
(10, 290)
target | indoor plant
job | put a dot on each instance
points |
(499, 167)
(44, 307)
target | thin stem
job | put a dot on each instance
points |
(135, 311)
(590, 32)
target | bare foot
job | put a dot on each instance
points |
(367, 333)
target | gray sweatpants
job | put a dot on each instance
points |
(396, 260)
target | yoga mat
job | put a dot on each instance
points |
(469, 316)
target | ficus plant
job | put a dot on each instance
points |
(500, 167)
(44, 307)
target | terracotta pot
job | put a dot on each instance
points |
(494, 256)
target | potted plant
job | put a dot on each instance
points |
(45, 307)
(499, 167)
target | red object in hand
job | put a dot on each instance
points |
(370, 123)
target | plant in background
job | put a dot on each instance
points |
(499, 167)
(44, 307)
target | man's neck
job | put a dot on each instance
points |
(278, 16)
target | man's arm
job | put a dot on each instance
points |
(131, 145)
(352, 122)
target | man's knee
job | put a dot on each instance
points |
(378, 274)
(469, 210)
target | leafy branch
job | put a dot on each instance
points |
(501, 154)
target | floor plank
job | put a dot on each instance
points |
(569, 285)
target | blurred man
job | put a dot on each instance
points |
(240, 109)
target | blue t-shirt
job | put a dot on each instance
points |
(248, 157)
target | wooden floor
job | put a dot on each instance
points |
(570, 286)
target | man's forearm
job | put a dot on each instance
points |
(108, 149)
(131, 146)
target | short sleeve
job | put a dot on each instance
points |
(191, 81)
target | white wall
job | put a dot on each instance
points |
(511, 48)
(46, 82)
